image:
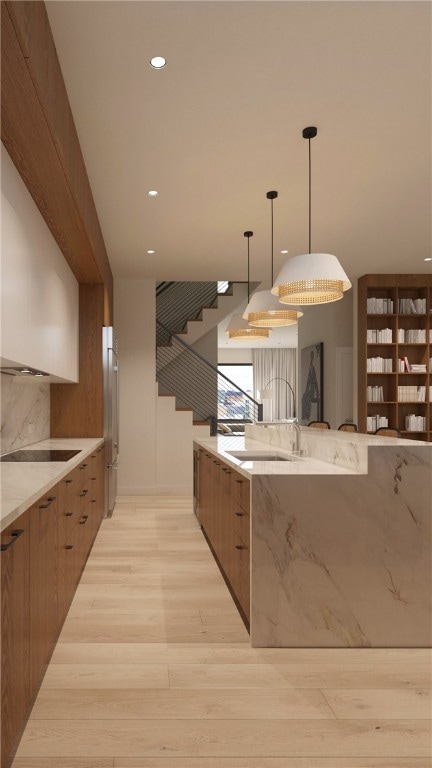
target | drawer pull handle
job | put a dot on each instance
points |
(83, 520)
(240, 546)
(68, 481)
(93, 478)
(68, 514)
(239, 514)
(83, 466)
(93, 501)
(50, 500)
(68, 546)
(239, 481)
(84, 492)
(15, 535)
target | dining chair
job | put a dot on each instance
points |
(345, 427)
(319, 424)
(388, 431)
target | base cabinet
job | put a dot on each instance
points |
(224, 514)
(43, 585)
(15, 632)
(43, 555)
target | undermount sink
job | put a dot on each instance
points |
(260, 456)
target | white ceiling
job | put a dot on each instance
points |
(221, 125)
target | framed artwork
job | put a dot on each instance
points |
(311, 383)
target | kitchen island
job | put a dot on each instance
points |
(339, 538)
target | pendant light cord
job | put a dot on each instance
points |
(272, 249)
(310, 197)
(248, 234)
(272, 196)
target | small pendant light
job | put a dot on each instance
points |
(313, 278)
(264, 309)
(238, 328)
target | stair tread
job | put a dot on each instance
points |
(185, 409)
(201, 423)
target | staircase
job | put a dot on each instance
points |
(190, 310)
(199, 386)
(188, 382)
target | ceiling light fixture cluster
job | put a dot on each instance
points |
(309, 279)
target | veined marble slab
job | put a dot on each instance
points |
(343, 449)
(25, 412)
(346, 560)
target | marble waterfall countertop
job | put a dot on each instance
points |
(340, 539)
(326, 451)
(221, 446)
(23, 483)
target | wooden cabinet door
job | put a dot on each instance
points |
(43, 585)
(15, 632)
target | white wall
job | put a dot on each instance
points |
(333, 325)
(39, 312)
(227, 356)
(134, 311)
(155, 441)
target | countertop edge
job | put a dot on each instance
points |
(10, 516)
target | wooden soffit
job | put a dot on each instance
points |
(38, 131)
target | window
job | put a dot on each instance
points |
(235, 381)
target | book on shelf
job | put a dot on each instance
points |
(411, 394)
(414, 423)
(375, 422)
(411, 336)
(407, 367)
(418, 367)
(379, 365)
(375, 306)
(412, 306)
(379, 336)
(375, 394)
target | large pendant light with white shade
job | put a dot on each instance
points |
(238, 328)
(264, 309)
(312, 278)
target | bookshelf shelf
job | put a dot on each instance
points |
(395, 292)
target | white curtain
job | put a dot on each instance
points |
(276, 364)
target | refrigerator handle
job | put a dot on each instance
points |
(117, 431)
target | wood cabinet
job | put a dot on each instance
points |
(224, 514)
(43, 555)
(43, 585)
(394, 326)
(15, 632)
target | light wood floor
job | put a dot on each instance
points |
(154, 669)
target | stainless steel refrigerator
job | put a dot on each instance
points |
(111, 415)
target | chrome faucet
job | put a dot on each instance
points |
(297, 431)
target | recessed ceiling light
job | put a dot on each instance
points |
(428, 258)
(150, 251)
(285, 251)
(158, 62)
(153, 192)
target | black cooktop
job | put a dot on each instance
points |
(41, 455)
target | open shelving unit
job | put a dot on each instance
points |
(406, 292)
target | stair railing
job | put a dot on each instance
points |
(178, 302)
(199, 385)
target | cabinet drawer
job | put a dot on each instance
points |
(241, 574)
(241, 491)
(241, 523)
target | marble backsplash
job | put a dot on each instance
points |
(25, 412)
